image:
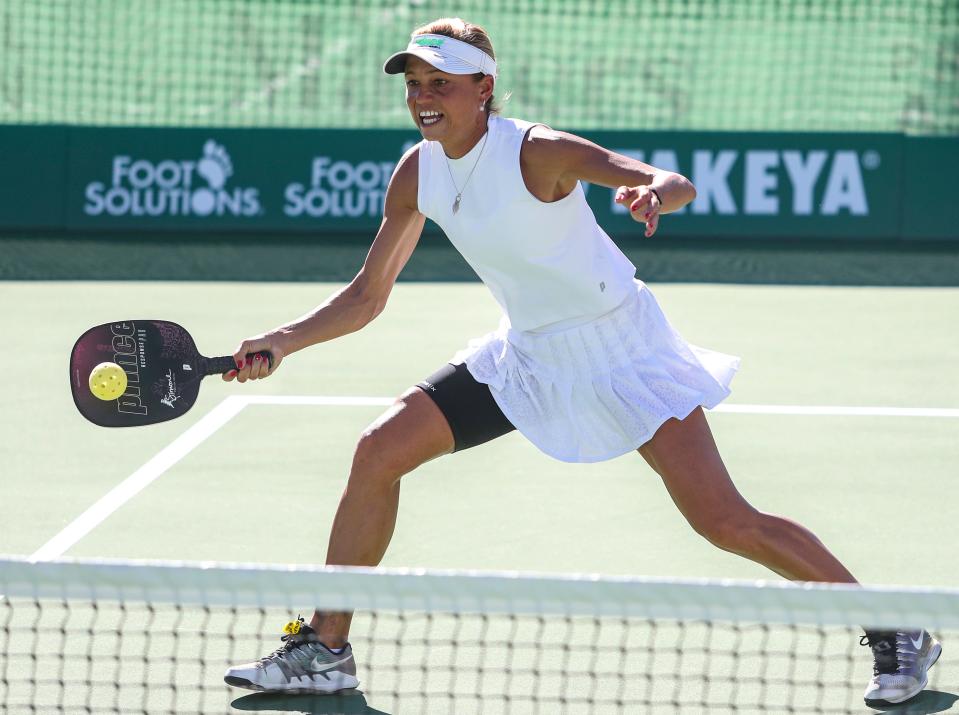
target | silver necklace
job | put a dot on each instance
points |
(459, 192)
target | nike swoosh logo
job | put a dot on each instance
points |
(319, 666)
(917, 644)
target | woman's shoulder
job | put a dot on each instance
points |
(405, 179)
(519, 134)
(513, 124)
(410, 160)
(526, 130)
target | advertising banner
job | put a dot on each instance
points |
(769, 184)
(334, 181)
(33, 177)
(930, 190)
(245, 179)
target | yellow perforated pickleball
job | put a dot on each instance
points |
(108, 381)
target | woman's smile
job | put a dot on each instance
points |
(429, 117)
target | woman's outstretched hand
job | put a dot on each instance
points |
(643, 205)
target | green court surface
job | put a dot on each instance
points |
(878, 489)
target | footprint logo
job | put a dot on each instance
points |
(215, 167)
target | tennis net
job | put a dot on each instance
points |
(119, 637)
(747, 65)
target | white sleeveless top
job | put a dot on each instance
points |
(584, 362)
(545, 263)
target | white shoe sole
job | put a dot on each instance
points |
(934, 654)
(334, 685)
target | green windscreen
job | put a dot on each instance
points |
(778, 65)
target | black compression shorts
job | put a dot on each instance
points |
(469, 407)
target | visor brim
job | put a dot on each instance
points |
(396, 64)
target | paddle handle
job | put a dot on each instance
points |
(221, 365)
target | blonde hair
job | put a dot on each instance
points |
(459, 29)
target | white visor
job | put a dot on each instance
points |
(445, 54)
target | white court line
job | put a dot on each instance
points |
(173, 453)
(838, 410)
(136, 482)
(231, 406)
(814, 410)
(319, 400)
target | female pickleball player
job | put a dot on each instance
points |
(584, 363)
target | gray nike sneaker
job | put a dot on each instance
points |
(902, 662)
(301, 665)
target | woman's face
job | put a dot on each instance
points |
(443, 105)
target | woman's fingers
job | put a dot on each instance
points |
(256, 366)
(652, 223)
(240, 355)
(259, 366)
(642, 206)
(625, 195)
(642, 202)
(252, 358)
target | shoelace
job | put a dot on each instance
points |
(885, 652)
(295, 633)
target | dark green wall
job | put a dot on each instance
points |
(333, 181)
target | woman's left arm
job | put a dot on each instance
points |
(644, 190)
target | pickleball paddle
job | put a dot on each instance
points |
(163, 371)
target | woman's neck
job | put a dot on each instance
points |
(459, 149)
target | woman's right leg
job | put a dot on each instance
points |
(412, 431)
(448, 411)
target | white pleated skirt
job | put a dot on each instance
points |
(602, 388)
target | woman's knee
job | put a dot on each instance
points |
(371, 457)
(401, 439)
(739, 532)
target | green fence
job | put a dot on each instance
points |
(334, 181)
(694, 65)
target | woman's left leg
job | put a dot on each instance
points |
(684, 454)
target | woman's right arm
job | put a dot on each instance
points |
(355, 305)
